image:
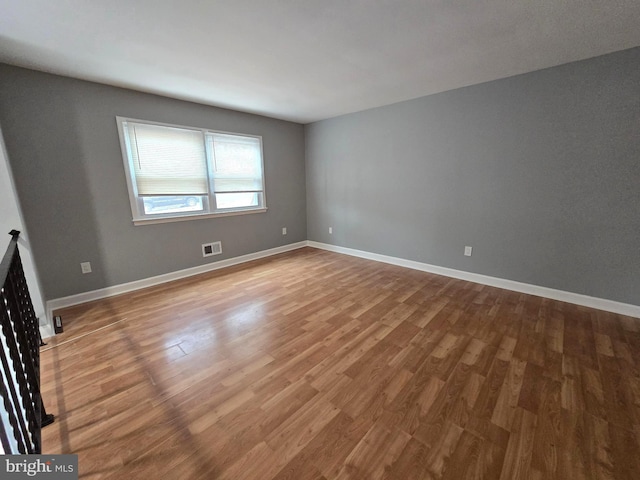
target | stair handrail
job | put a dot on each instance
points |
(22, 413)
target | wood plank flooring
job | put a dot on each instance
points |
(313, 365)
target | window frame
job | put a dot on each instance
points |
(208, 201)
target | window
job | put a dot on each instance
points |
(177, 173)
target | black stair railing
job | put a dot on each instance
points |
(22, 414)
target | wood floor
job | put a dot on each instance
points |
(313, 365)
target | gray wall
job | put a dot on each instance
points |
(540, 173)
(10, 219)
(63, 148)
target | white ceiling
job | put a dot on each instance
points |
(306, 60)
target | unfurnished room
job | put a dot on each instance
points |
(320, 240)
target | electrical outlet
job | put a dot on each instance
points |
(330, 230)
(467, 251)
(86, 267)
(284, 230)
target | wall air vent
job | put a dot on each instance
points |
(209, 249)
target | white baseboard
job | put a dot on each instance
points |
(569, 297)
(563, 296)
(167, 277)
(46, 329)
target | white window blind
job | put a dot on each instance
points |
(237, 163)
(167, 160)
(175, 172)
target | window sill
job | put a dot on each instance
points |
(182, 218)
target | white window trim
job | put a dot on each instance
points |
(136, 203)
